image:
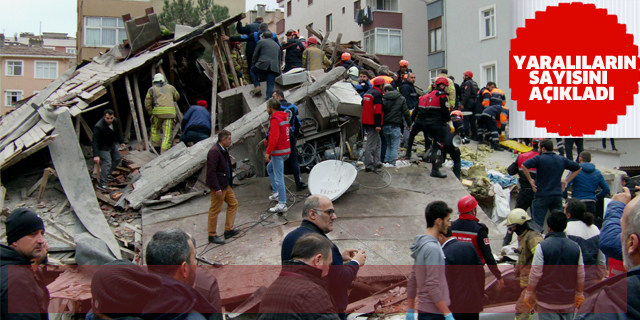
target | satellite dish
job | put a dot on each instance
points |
(331, 178)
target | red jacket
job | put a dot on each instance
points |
(372, 107)
(278, 142)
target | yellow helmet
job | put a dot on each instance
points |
(517, 216)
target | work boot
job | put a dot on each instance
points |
(257, 92)
(216, 240)
(157, 149)
(301, 187)
(479, 138)
(436, 173)
(496, 147)
(229, 234)
(379, 165)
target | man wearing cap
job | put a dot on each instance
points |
(121, 289)
(468, 228)
(294, 49)
(313, 58)
(518, 221)
(21, 281)
(196, 123)
(160, 104)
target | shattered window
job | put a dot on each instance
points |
(46, 70)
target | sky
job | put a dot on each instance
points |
(56, 15)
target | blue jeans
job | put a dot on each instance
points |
(430, 316)
(392, 135)
(275, 169)
(541, 205)
(266, 75)
(193, 136)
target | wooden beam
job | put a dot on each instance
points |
(45, 178)
(86, 127)
(96, 107)
(324, 41)
(61, 239)
(115, 108)
(214, 94)
(172, 71)
(335, 48)
(221, 70)
(127, 129)
(132, 106)
(143, 125)
(227, 51)
(315, 33)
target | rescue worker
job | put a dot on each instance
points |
(363, 84)
(196, 123)
(469, 93)
(495, 117)
(482, 101)
(458, 93)
(295, 125)
(450, 89)
(432, 115)
(313, 58)
(395, 114)
(408, 91)
(160, 103)
(384, 76)
(353, 76)
(372, 123)
(294, 49)
(248, 29)
(346, 61)
(526, 194)
(518, 221)
(252, 40)
(457, 129)
(469, 229)
(238, 63)
(404, 70)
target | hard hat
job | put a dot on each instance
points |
(301, 38)
(442, 80)
(517, 216)
(378, 81)
(313, 40)
(456, 113)
(346, 56)
(159, 78)
(289, 32)
(234, 43)
(404, 63)
(468, 73)
(353, 71)
(467, 204)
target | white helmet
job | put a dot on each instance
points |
(353, 71)
(159, 78)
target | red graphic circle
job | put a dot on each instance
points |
(574, 30)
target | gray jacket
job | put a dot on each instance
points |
(267, 56)
(394, 106)
(428, 280)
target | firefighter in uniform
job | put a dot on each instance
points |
(518, 221)
(433, 110)
(483, 101)
(160, 103)
(469, 229)
(238, 62)
(313, 58)
(450, 147)
(469, 94)
(494, 116)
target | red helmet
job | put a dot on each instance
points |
(442, 80)
(457, 113)
(378, 81)
(346, 56)
(404, 63)
(467, 204)
(234, 43)
(468, 73)
(313, 40)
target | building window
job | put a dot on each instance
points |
(356, 8)
(46, 70)
(13, 68)
(11, 97)
(309, 2)
(289, 8)
(433, 74)
(329, 22)
(71, 50)
(343, 10)
(103, 31)
(489, 72)
(435, 35)
(383, 5)
(383, 41)
(488, 22)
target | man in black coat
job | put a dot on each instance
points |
(294, 48)
(469, 94)
(465, 277)
(220, 181)
(266, 63)
(105, 146)
(408, 91)
(21, 280)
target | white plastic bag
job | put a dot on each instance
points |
(501, 206)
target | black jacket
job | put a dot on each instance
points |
(394, 107)
(408, 91)
(104, 137)
(469, 94)
(557, 284)
(468, 228)
(27, 290)
(219, 172)
(177, 301)
(293, 57)
(465, 276)
(458, 95)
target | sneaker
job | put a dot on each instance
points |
(379, 165)
(301, 187)
(280, 207)
(256, 92)
(274, 196)
(389, 165)
(229, 234)
(216, 240)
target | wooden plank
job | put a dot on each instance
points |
(86, 128)
(28, 139)
(335, 48)
(3, 193)
(315, 33)
(132, 106)
(43, 184)
(7, 152)
(221, 69)
(324, 40)
(28, 152)
(19, 144)
(75, 111)
(115, 108)
(227, 51)
(45, 127)
(127, 130)
(214, 95)
(96, 107)
(143, 125)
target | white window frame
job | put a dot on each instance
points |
(374, 5)
(482, 30)
(35, 69)
(433, 74)
(101, 45)
(374, 33)
(483, 75)
(6, 92)
(71, 50)
(435, 31)
(6, 68)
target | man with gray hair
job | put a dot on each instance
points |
(318, 216)
(618, 296)
(171, 254)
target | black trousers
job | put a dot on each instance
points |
(523, 201)
(470, 127)
(568, 145)
(466, 316)
(415, 129)
(455, 156)
(292, 162)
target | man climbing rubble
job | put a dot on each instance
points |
(160, 103)
(105, 147)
